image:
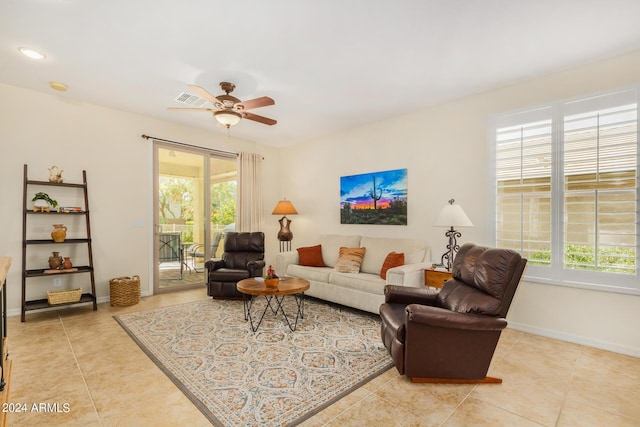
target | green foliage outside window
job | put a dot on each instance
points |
(223, 203)
(176, 201)
(175, 198)
(581, 257)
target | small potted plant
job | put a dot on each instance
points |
(271, 279)
(42, 202)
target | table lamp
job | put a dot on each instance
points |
(452, 216)
(284, 208)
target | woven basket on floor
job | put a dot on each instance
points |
(64, 297)
(125, 291)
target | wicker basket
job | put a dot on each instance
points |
(125, 291)
(64, 297)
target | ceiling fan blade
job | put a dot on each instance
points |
(260, 119)
(190, 109)
(255, 103)
(204, 94)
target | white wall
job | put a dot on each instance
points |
(445, 150)
(42, 130)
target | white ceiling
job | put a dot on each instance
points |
(330, 65)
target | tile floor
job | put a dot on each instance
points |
(83, 361)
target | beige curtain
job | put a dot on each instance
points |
(249, 216)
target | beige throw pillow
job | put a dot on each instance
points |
(349, 260)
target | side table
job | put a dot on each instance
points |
(436, 278)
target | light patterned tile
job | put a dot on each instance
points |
(530, 388)
(335, 410)
(77, 416)
(609, 368)
(473, 412)
(372, 411)
(585, 415)
(158, 408)
(609, 397)
(437, 400)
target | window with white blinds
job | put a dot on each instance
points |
(566, 194)
(523, 172)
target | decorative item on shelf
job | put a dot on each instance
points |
(66, 264)
(55, 261)
(64, 297)
(452, 216)
(67, 209)
(55, 175)
(42, 202)
(271, 280)
(59, 233)
(284, 208)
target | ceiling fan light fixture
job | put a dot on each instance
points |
(229, 110)
(31, 53)
(227, 118)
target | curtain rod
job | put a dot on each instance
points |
(227, 153)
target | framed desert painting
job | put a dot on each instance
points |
(374, 198)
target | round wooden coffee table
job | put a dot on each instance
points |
(255, 287)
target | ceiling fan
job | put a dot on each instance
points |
(228, 109)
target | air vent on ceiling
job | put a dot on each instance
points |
(187, 98)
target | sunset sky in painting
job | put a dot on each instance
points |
(355, 189)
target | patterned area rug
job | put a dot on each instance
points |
(273, 377)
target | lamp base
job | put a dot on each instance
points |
(285, 235)
(452, 248)
(285, 245)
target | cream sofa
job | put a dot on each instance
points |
(364, 290)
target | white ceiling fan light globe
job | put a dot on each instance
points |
(227, 118)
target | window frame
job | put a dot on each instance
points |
(556, 273)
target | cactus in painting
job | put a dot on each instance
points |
(375, 193)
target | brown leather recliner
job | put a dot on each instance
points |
(451, 336)
(243, 257)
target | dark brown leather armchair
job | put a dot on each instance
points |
(451, 336)
(243, 257)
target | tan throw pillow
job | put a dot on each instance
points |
(311, 256)
(394, 259)
(349, 260)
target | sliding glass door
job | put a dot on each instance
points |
(195, 205)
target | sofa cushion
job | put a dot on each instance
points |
(364, 282)
(394, 259)
(331, 244)
(349, 260)
(379, 247)
(415, 257)
(311, 256)
(317, 274)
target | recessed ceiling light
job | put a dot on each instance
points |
(58, 86)
(31, 53)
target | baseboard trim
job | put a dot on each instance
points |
(18, 312)
(576, 339)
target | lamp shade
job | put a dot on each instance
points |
(453, 216)
(284, 207)
(227, 118)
